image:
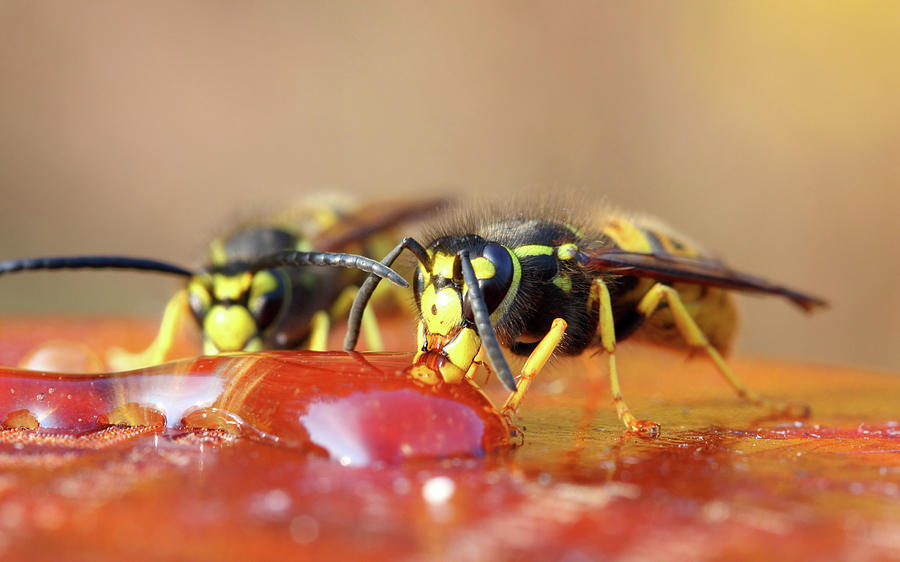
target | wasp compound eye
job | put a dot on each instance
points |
(495, 273)
(199, 298)
(266, 298)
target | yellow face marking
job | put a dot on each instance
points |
(563, 281)
(627, 236)
(426, 275)
(533, 250)
(442, 265)
(441, 310)
(229, 328)
(231, 287)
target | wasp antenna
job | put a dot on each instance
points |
(354, 319)
(334, 259)
(483, 323)
(92, 262)
(808, 303)
(419, 251)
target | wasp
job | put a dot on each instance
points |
(541, 286)
(255, 292)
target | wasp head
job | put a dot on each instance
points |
(234, 306)
(449, 339)
(233, 302)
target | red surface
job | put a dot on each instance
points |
(720, 483)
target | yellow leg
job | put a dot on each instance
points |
(608, 340)
(535, 363)
(369, 323)
(371, 331)
(476, 363)
(473, 368)
(318, 334)
(695, 338)
(117, 359)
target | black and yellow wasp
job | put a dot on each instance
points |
(256, 293)
(539, 285)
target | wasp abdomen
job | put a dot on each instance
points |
(712, 308)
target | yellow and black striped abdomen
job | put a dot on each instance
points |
(712, 308)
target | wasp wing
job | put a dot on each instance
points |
(374, 219)
(701, 271)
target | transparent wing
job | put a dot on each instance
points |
(374, 219)
(700, 271)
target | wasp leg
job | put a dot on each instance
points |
(368, 323)
(608, 340)
(696, 339)
(117, 359)
(476, 363)
(535, 363)
(320, 325)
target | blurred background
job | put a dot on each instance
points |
(769, 131)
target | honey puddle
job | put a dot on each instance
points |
(357, 410)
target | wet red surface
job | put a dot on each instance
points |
(720, 482)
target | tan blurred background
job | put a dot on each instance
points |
(770, 131)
